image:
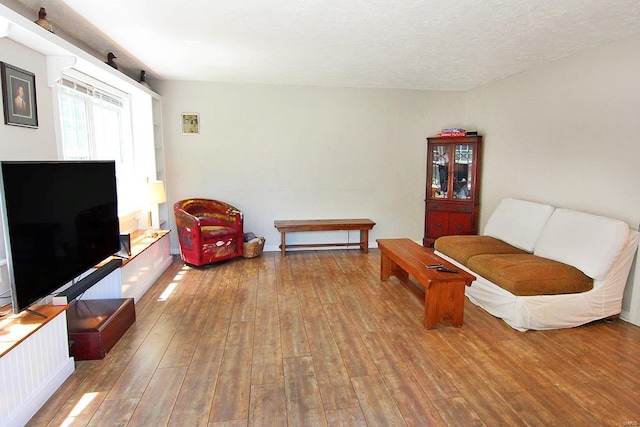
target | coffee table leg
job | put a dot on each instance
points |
(444, 301)
(388, 268)
(385, 266)
(458, 306)
(364, 241)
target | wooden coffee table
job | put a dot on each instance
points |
(443, 292)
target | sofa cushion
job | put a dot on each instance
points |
(518, 222)
(527, 275)
(461, 248)
(588, 242)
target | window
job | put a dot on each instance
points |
(95, 123)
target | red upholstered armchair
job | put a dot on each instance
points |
(208, 230)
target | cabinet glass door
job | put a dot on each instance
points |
(463, 171)
(440, 171)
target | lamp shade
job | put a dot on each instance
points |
(155, 192)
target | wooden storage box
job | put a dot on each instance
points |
(95, 326)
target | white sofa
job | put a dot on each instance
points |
(521, 232)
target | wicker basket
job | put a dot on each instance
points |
(253, 249)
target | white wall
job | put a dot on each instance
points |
(19, 143)
(566, 134)
(288, 152)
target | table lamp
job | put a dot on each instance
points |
(155, 196)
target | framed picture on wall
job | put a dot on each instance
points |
(19, 96)
(190, 123)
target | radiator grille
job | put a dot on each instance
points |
(33, 370)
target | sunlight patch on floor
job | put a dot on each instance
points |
(80, 406)
(167, 291)
(172, 286)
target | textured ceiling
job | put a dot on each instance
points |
(416, 44)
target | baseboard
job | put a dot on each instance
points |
(626, 316)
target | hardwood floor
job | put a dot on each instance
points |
(315, 339)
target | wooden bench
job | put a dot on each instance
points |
(443, 291)
(299, 225)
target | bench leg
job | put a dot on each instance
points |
(283, 242)
(364, 241)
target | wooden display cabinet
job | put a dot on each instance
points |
(452, 202)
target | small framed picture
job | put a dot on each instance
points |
(190, 123)
(19, 96)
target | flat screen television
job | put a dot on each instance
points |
(60, 220)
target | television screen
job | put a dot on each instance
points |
(61, 219)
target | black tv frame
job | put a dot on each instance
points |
(79, 261)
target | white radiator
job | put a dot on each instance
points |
(108, 287)
(32, 371)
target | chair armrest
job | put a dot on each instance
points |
(235, 218)
(188, 228)
(185, 219)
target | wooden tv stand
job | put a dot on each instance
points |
(95, 326)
